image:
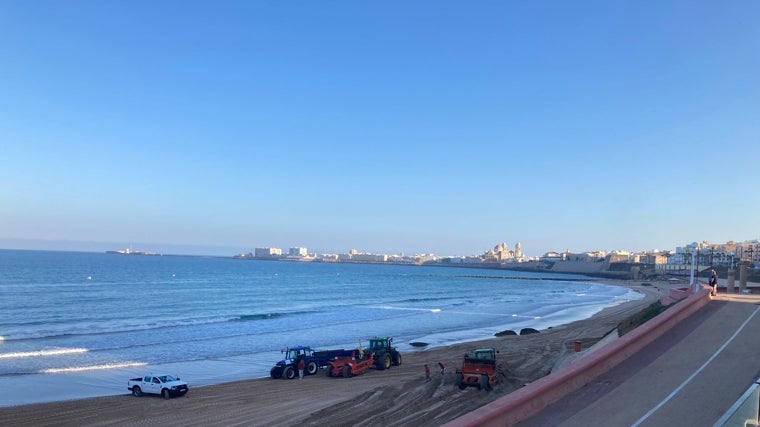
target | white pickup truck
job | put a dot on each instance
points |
(165, 385)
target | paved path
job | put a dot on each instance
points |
(688, 377)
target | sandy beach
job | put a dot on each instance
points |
(396, 397)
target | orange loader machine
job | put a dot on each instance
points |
(381, 355)
(478, 369)
(347, 367)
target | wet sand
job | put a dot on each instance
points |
(396, 397)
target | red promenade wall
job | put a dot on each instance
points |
(529, 400)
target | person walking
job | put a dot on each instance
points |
(713, 282)
(301, 367)
(443, 368)
(427, 373)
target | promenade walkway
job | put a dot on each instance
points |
(690, 376)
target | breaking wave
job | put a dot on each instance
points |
(92, 368)
(43, 353)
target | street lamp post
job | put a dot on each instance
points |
(696, 282)
(751, 253)
(693, 260)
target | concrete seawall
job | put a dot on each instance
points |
(531, 399)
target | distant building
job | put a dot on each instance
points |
(706, 255)
(425, 258)
(582, 257)
(297, 252)
(618, 256)
(501, 254)
(329, 257)
(554, 256)
(400, 259)
(369, 258)
(651, 258)
(749, 251)
(267, 253)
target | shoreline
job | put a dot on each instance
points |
(398, 396)
(108, 380)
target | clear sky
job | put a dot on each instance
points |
(393, 126)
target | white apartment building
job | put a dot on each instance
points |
(297, 252)
(267, 252)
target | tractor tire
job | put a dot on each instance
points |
(346, 371)
(484, 383)
(289, 373)
(460, 382)
(136, 392)
(383, 361)
(276, 372)
(312, 368)
(165, 393)
(397, 359)
(329, 370)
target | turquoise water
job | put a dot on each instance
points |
(78, 324)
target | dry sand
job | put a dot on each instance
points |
(396, 397)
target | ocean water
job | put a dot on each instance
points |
(76, 325)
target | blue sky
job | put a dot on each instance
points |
(388, 127)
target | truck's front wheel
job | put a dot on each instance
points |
(136, 392)
(460, 381)
(484, 383)
(165, 393)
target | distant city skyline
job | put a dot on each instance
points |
(171, 249)
(391, 127)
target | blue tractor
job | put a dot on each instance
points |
(313, 360)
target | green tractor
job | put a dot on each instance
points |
(384, 353)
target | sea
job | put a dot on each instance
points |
(76, 325)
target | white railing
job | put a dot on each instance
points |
(746, 410)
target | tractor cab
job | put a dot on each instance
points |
(380, 344)
(482, 354)
(295, 353)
